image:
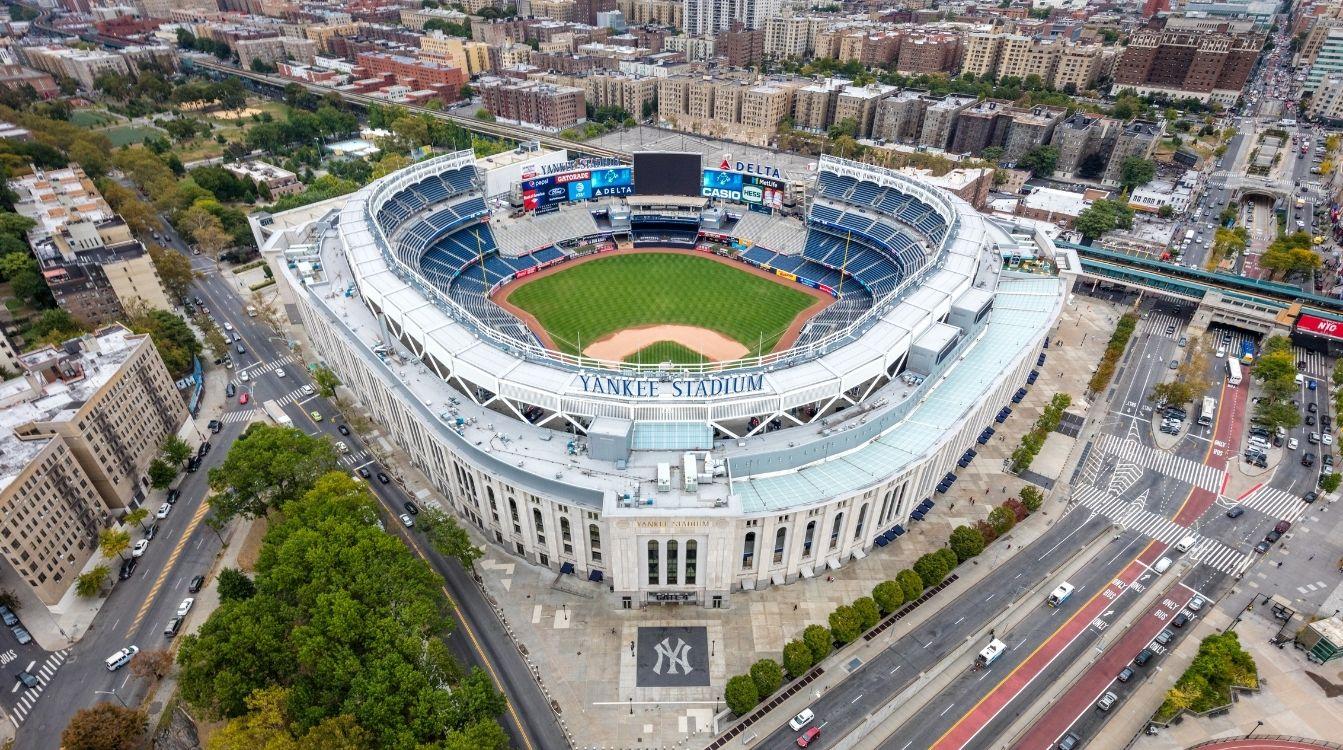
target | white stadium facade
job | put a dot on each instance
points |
(677, 483)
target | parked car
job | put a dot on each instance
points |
(384, 478)
(808, 736)
(164, 510)
(22, 635)
(1107, 701)
(342, 429)
(411, 508)
(185, 606)
(196, 584)
(406, 520)
(7, 615)
(173, 495)
(27, 679)
(1125, 674)
(140, 548)
(127, 568)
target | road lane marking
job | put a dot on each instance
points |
(168, 565)
(855, 700)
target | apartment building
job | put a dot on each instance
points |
(605, 89)
(274, 50)
(78, 429)
(95, 268)
(929, 53)
(1185, 61)
(424, 74)
(939, 119)
(741, 46)
(980, 52)
(1079, 66)
(1328, 59)
(471, 56)
(1078, 138)
(790, 36)
(859, 104)
(899, 117)
(532, 103)
(980, 126)
(1138, 138)
(80, 64)
(416, 18)
(1029, 129)
(1327, 101)
(814, 104)
(656, 12)
(278, 181)
(1022, 56)
(708, 17)
(743, 110)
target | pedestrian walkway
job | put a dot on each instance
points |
(1316, 366)
(1275, 503)
(1175, 467)
(1130, 513)
(1217, 555)
(260, 368)
(44, 673)
(244, 415)
(1159, 322)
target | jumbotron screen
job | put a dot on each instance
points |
(667, 173)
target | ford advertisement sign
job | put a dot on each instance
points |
(576, 186)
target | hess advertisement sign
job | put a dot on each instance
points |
(1320, 326)
(742, 188)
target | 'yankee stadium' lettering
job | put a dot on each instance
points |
(646, 388)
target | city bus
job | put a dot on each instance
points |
(1060, 594)
(277, 415)
(1205, 414)
(1232, 371)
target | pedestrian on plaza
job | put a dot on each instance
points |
(794, 607)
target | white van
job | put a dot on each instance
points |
(1060, 595)
(121, 658)
(1300, 379)
(990, 653)
(1184, 545)
(1162, 565)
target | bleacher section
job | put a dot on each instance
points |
(784, 234)
(521, 235)
(886, 201)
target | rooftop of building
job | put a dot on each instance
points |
(57, 382)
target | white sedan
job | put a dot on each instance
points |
(164, 510)
(140, 548)
(279, 373)
(1292, 444)
(185, 606)
(1327, 439)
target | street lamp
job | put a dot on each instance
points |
(1257, 724)
(113, 693)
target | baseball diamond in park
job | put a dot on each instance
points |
(662, 307)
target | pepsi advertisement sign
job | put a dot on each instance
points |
(738, 187)
(576, 186)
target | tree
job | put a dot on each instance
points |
(1330, 482)
(819, 641)
(889, 596)
(1101, 217)
(327, 381)
(90, 584)
(106, 726)
(265, 311)
(137, 517)
(175, 449)
(1289, 254)
(930, 569)
(1134, 172)
(112, 543)
(767, 676)
(161, 473)
(741, 694)
(1040, 160)
(1002, 520)
(1166, 211)
(992, 154)
(797, 658)
(154, 664)
(868, 613)
(267, 467)
(176, 343)
(448, 537)
(234, 585)
(949, 559)
(845, 624)
(966, 542)
(1032, 497)
(911, 583)
(174, 270)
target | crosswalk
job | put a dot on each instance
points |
(1237, 338)
(356, 458)
(1316, 365)
(1131, 513)
(261, 368)
(1158, 322)
(1275, 503)
(292, 397)
(28, 698)
(239, 417)
(1176, 467)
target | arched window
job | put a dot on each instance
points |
(834, 531)
(538, 526)
(691, 561)
(595, 542)
(807, 539)
(885, 509)
(566, 536)
(489, 492)
(513, 512)
(780, 538)
(653, 579)
(672, 562)
(748, 551)
(862, 519)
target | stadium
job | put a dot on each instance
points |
(684, 382)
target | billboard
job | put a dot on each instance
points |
(667, 173)
(552, 189)
(751, 189)
(1320, 326)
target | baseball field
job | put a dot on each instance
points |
(662, 306)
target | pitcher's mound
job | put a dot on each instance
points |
(712, 345)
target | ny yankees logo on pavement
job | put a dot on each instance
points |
(678, 655)
(672, 656)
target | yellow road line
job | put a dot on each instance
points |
(168, 566)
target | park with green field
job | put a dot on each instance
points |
(584, 303)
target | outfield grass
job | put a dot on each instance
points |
(123, 135)
(591, 300)
(92, 118)
(665, 351)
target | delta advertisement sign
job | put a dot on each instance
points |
(581, 185)
(1320, 327)
(741, 182)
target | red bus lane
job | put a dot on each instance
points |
(1223, 449)
(1098, 678)
(1002, 694)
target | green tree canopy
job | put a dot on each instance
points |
(741, 694)
(845, 624)
(911, 583)
(819, 640)
(174, 339)
(267, 467)
(1135, 171)
(797, 658)
(966, 542)
(889, 596)
(767, 676)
